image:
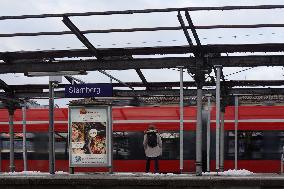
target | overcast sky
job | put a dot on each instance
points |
(137, 39)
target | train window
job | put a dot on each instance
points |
(61, 143)
(37, 145)
(129, 145)
(18, 144)
(281, 133)
(273, 142)
(5, 147)
(189, 142)
(120, 145)
(170, 145)
(250, 145)
(267, 145)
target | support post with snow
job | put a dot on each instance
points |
(236, 130)
(24, 137)
(11, 110)
(218, 75)
(181, 121)
(208, 132)
(51, 128)
(222, 140)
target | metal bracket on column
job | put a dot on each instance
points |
(222, 105)
(226, 97)
(199, 76)
(11, 108)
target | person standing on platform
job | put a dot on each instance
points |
(153, 147)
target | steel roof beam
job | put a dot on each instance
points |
(143, 79)
(196, 72)
(192, 92)
(93, 65)
(7, 88)
(144, 11)
(7, 99)
(31, 34)
(180, 19)
(168, 92)
(270, 47)
(220, 48)
(80, 36)
(141, 63)
(232, 83)
(193, 28)
(72, 80)
(88, 44)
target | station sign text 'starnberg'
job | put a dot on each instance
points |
(88, 90)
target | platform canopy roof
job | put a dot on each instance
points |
(142, 50)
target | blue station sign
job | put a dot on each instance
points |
(88, 90)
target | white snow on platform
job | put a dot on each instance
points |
(147, 174)
(240, 172)
(32, 173)
(124, 174)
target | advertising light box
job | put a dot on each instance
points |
(90, 136)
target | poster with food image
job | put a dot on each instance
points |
(88, 131)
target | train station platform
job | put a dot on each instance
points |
(139, 181)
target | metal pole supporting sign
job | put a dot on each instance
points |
(51, 128)
(24, 137)
(236, 131)
(181, 120)
(218, 118)
(208, 132)
(11, 110)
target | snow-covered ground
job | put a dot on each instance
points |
(241, 172)
(34, 173)
(150, 174)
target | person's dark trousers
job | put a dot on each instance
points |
(156, 161)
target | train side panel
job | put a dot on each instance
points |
(260, 128)
(128, 126)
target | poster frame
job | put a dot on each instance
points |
(109, 130)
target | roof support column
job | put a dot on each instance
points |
(199, 79)
(11, 110)
(24, 112)
(236, 130)
(208, 132)
(181, 121)
(51, 129)
(199, 133)
(222, 139)
(218, 75)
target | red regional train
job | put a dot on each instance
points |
(260, 138)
